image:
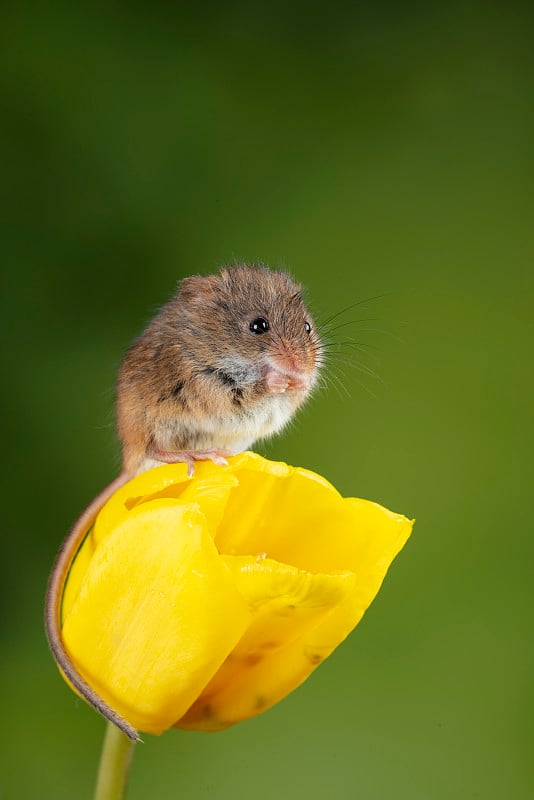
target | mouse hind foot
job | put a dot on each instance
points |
(215, 454)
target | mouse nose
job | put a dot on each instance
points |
(292, 362)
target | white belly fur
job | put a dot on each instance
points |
(236, 432)
(239, 432)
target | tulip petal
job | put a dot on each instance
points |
(155, 615)
(285, 603)
(76, 573)
(288, 514)
(380, 534)
(210, 489)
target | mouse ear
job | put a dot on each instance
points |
(196, 287)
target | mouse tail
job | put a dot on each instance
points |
(54, 597)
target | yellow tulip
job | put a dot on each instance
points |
(199, 602)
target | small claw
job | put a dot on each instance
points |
(214, 454)
(219, 460)
(190, 465)
(218, 456)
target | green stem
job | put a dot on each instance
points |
(115, 760)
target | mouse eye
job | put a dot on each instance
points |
(259, 325)
(307, 327)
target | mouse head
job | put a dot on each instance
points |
(256, 324)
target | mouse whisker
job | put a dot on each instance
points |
(331, 328)
(360, 383)
(336, 358)
(332, 381)
(384, 333)
(324, 322)
(351, 343)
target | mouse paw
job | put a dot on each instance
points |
(276, 381)
(215, 454)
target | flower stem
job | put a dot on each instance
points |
(115, 760)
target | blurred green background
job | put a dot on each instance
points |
(377, 150)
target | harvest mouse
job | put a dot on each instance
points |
(227, 361)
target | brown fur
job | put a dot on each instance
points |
(179, 376)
